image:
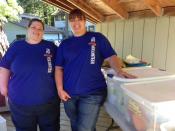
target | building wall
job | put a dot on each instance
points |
(51, 37)
(12, 30)
(60, 24)
(150, 39)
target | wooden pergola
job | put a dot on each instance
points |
(106, 10)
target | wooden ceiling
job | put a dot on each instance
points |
(106, 10)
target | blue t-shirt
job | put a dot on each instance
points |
(32, 72)
(81, 59)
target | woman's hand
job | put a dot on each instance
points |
(117, 64)
(64, 96)
(124, 74)
(4, 91)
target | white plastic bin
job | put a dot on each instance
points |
(3, 126)
(151, 105)
(116, 93)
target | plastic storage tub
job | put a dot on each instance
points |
(114, 83)
(151, 105)
(3, 126)
(116, 93)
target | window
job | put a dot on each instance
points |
(19, 37)
(91, 28)
(60, 17)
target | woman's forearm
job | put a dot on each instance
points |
(4, 78)
(59, 78)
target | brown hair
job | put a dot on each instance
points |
(77, 13)
(35, 20)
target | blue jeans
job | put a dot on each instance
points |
(83, 111)
(26, 118)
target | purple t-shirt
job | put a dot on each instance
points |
(32, 72)
(81, 59)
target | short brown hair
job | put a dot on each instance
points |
(35, 20)
(77, 13)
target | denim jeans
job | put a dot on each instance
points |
(26, 118)
(83, 111)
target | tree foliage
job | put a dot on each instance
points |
(9, 10)
(39, 8)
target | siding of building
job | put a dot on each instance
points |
(12, 30)
(150, 39)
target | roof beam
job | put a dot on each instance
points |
(67, 7)
(91, 20)
(154, 6)
(168, 11)
(58, 4)
(117, 8)
(65, 3)
(87, 9)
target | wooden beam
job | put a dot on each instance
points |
(66, 4)
(126, 1)
(91, 20)
(169, 11)
(67, 7)
(154, 6)
(57, 4)
(81, 4)
(136, 14)
(172, 1)
(141, 14)
(111, 18)
(117, 8)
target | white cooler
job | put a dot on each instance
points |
(116, 93)
(3, 126)
(151, 105)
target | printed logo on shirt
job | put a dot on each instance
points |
(49, 61)
(93, 46)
